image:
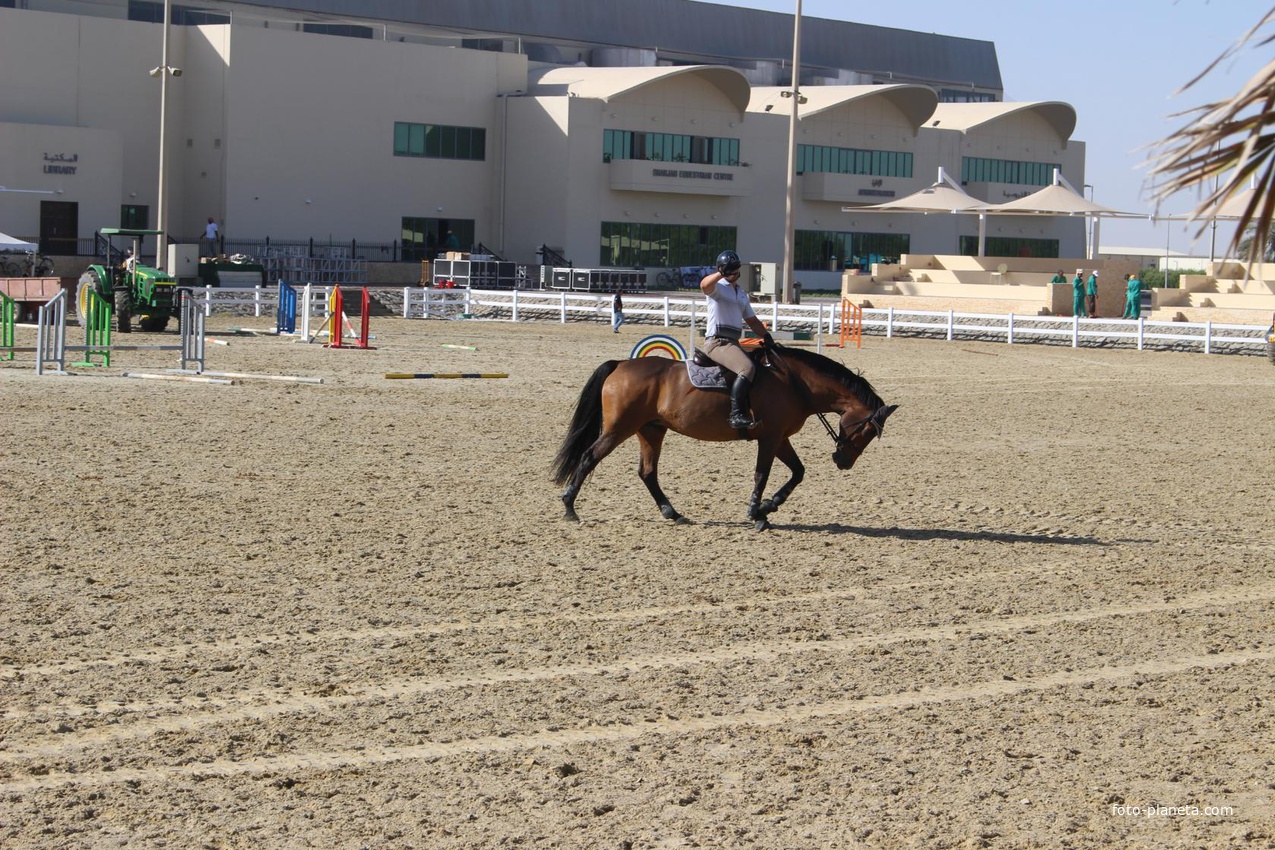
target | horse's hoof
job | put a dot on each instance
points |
(681, 520)
(761, 524)
(571, 516)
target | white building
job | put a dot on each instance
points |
(404, 130)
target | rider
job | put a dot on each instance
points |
(728, 311)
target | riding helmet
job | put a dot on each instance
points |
(728, 262)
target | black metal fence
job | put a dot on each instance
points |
(374, 252)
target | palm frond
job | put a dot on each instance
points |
(1234, 137)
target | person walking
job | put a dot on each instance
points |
(1091, 295)
(617, 313)
(728, 311)
(1133, 297)
(210, 237)
(1078, 295)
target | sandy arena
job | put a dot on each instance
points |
(271, 615)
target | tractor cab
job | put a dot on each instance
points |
(127, 285)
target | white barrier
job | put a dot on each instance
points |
(825, 318)
(678, 311)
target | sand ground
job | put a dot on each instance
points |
(349, 615)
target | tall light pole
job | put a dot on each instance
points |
(164, 71)
(1091, 250)
(790, 206)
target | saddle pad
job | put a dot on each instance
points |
(706, 377)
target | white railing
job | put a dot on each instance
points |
(264, 300)
(671, 311)
(825, 317)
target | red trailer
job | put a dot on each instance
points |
(30, 293)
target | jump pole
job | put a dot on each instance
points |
(194, 379)
(296, 379)
(408, 376)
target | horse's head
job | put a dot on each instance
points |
(856, 432)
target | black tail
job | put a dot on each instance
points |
(586, 425)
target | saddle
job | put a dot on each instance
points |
(706, 374)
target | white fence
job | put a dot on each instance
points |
(825, 318)
(688, 312)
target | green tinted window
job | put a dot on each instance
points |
(439, 141)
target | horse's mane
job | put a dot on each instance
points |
(856, 383)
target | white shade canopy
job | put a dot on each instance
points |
(1056, 199)
(12, 243)
(937, 197)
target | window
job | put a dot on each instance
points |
(669, 147)
(135, 217)
(965, 96)
(982, 170)
(640, 245)
(437, 141)
(152, 11)
(1001, 246)
(817, 250)
(822, 159)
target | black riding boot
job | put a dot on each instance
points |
(739, 414)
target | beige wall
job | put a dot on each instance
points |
(264, 119)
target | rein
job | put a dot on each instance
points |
(837, 439)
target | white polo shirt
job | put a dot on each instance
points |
(728, 307)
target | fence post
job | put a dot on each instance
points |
(256, 301)
(692, 323)
(666, 312)
(1010, 330)
(1075, 332)
(774, 315)
(563, 295)
(407, 298)
(1208, 335)
(951, 320)
(514, 312)
(819, 331)
(889, 322)
(207, 301)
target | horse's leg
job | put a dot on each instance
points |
(603, 446)
(788, 455)
(761, 472)
(651, 439)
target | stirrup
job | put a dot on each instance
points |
(743, 422)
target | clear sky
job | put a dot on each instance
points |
(1120, 63)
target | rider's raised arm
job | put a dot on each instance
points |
(710, 281)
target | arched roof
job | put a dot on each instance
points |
(917, 103)
(608, 83)
(969, 116)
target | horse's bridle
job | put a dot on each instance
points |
(839, 440)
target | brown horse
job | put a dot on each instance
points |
(648, 396)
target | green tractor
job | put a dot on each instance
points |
(130, 287)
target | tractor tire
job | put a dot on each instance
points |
(153, 323)
(89, 282)
(124, 309)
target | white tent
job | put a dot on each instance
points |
(941, 196)
(1061, 199)
(12, 243)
